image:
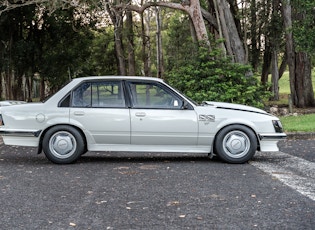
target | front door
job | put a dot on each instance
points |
(158, 117)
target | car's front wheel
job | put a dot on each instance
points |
(235, 144)
(63, 144)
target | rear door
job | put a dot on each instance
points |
(100, 108)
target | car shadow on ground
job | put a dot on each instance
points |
(28, 155)
(144, 158)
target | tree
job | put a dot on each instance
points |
(299, 61)
(146, 42)
(52, 46)
(233, 43)
(19, 50)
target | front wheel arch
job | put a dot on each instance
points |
(242, 134)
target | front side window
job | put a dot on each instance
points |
(151, 95)
(103, 94)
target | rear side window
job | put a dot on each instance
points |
(101, 94)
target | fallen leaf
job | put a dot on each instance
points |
(148, 167)
(128, 172)
(120, 168)
(173, 203)
(101, 202)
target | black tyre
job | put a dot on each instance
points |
(63, 144)
(235, 144)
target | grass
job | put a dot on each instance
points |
(301, 123)
(284, 88)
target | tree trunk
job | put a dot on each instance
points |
(130, 40)
(275, 75)
(159, 51)
(302, 93)
(42, 88)
(117, 20)
(266, 64)
(234, 44)
(195, 14)
(255, 53)
(303, 87)
(1, 85)
(308, 84)
(119, 44)
(193, 31)
(287, 20)
(146, 43)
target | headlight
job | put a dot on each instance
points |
(278, 126)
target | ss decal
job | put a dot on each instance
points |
(204, 117)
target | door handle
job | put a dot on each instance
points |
(140, 114)
(79, 113)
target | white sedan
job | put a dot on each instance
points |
(136, 114)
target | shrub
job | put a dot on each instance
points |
(213, 77)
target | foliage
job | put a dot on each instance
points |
(17, 40)
(101, 59)
(64, 49)
(178, 40)
(303, 27)
(211, 76)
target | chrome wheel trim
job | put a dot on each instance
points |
(62, 144)
(236, 144)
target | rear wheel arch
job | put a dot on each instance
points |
(40, 146)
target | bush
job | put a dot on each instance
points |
(213, 77)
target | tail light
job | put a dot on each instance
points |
(1, 121)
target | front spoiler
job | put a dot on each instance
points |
(272, 136)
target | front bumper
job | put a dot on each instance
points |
(269, 142)
(272, 136)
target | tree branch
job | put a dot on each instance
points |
(6, 5)
(177, 6)
(141, 9)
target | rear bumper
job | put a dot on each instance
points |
(20, 133)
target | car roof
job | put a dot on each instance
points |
(118, 78)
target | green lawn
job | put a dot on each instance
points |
(284, 82)
(284, 88)
(301, 123)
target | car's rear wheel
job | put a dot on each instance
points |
(63, 144)
(235, 144)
